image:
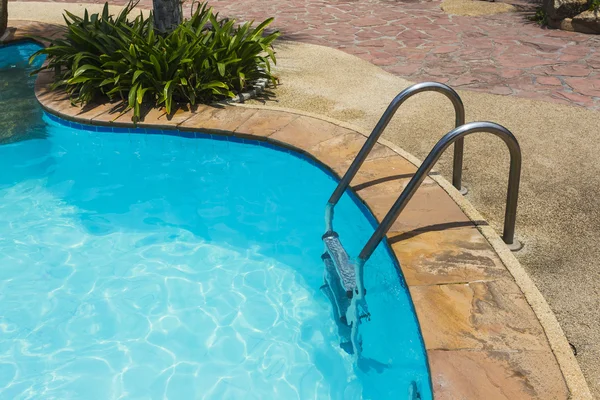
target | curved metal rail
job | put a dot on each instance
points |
(380, 127)
(453, 137)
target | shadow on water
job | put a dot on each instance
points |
(20, 113)
(368, 365)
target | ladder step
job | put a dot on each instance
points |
(341, 262)
(334, 290)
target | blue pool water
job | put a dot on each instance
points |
(152, 266)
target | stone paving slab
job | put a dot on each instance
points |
(503, 54)
(428, 207)
(477, 315)
(306, 131)
(433, 257)
(266, 124)
(500, 375)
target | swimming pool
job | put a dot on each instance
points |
(147, 264)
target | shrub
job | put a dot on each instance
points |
(541, 17)
(204, 59)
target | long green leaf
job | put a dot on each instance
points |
(136, 75)
(85, 68)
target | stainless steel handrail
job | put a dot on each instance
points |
(380, 127)
(410, 189)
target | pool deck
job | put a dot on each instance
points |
(488, 332)
(504, 54)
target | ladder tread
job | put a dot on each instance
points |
(341, 261)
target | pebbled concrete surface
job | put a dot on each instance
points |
(476, 8)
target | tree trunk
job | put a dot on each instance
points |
(3, 16)
(167, 14)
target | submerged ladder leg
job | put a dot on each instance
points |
(346, 292)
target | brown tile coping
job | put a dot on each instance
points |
(483, 339)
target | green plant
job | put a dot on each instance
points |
(541, 17)
(203, 60)
(594, 6)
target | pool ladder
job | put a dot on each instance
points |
(343, 278)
